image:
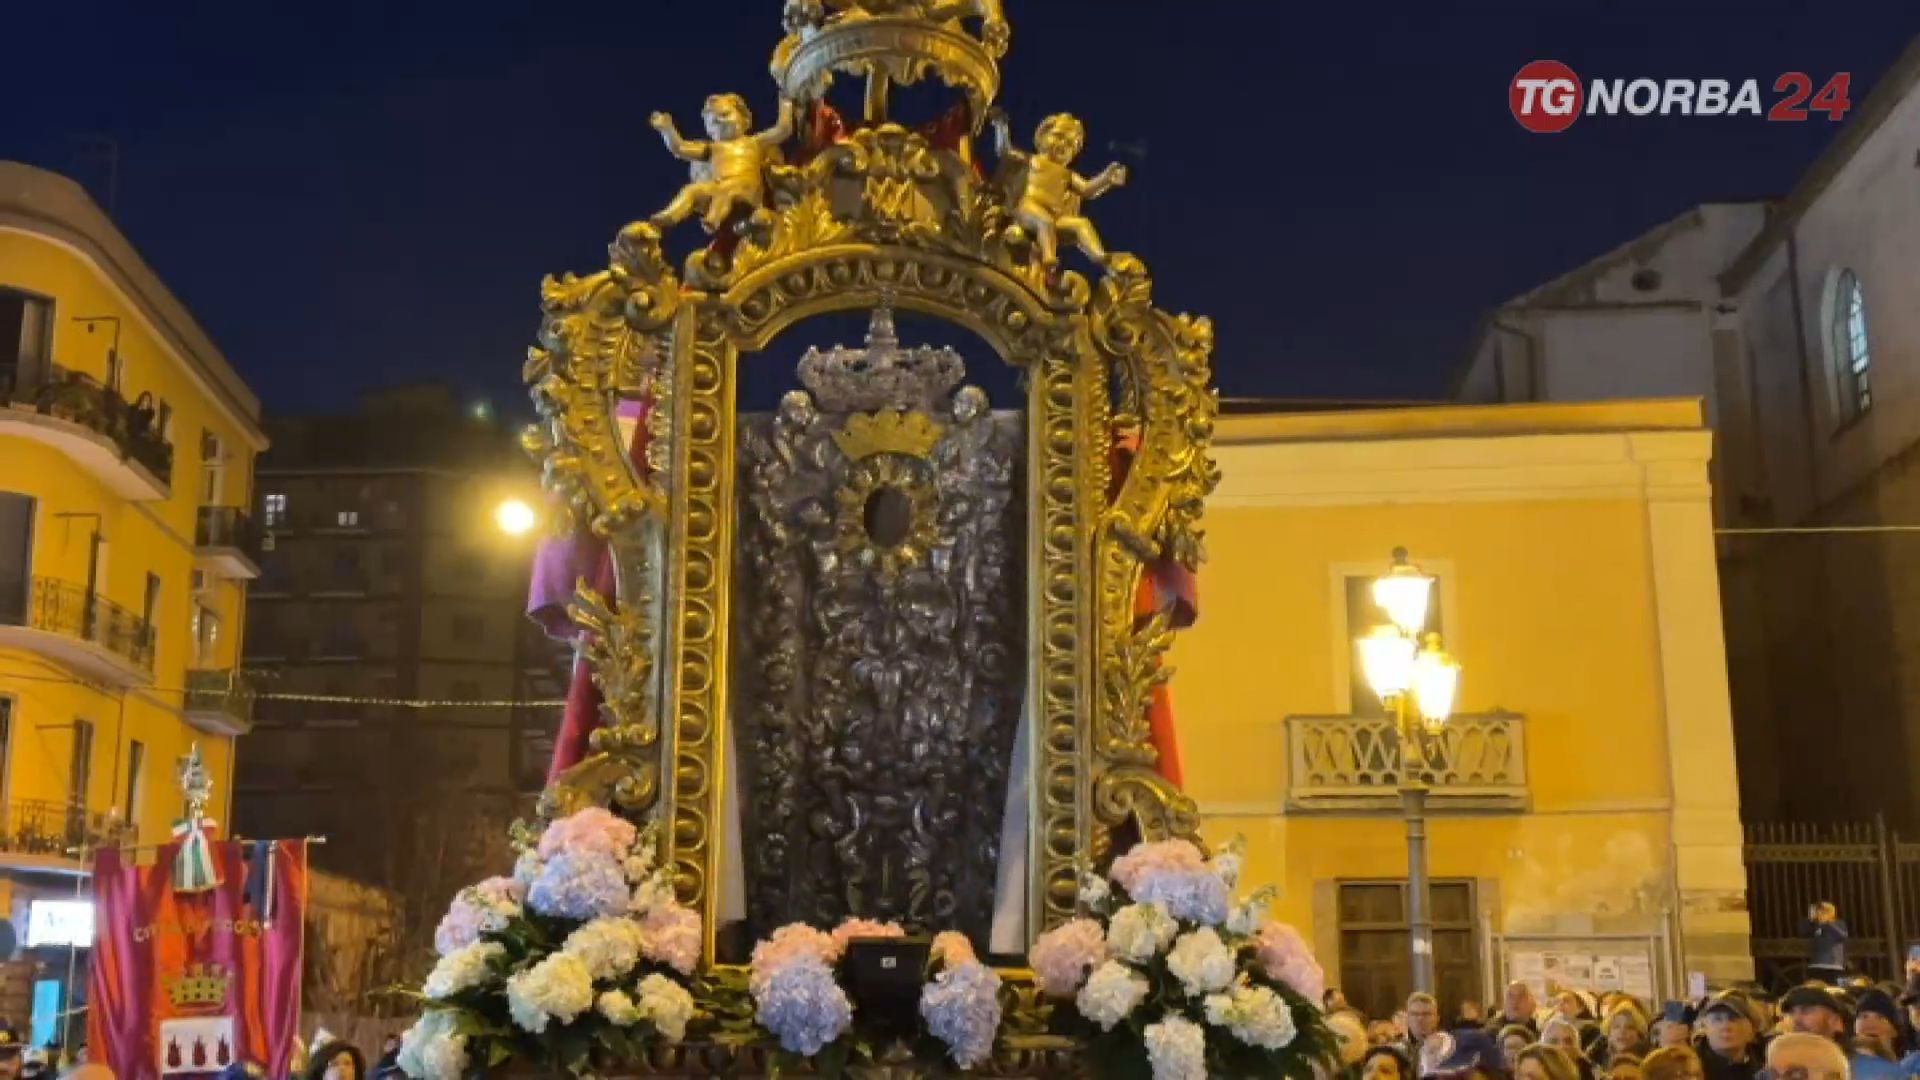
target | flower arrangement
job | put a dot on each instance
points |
(798, 1000)
(1165, 977)
(582, 950)
(583, 958)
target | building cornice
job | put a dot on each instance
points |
(54, 209)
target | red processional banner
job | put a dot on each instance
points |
(189, 981)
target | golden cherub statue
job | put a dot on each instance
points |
(1049, 201)
(729, 169)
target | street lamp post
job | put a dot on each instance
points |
(1416, 680)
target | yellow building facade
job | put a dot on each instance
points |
(126, 463)
(1584, 814)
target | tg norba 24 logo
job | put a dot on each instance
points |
(1546, 96)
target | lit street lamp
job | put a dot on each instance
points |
(1417, 681)
(514, 517)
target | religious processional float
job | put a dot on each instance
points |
(868, 765)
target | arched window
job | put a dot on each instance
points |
(1851, 359)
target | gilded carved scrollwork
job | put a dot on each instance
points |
(882, 215)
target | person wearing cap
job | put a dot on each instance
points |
(1876, 1026)
(1730, 1048)
(1814, 1009)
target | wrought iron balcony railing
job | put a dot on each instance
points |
(81, 399)
(36, 827)
(227, 527)
(1353, 762)
(63, 607)
(225, 694)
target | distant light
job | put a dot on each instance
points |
(514, 517)
(482, 410)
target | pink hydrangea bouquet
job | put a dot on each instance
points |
(799, 1002)
(1165, 975)
(582, 952)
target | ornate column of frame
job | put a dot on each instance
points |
(1161, 379)
(880, 211)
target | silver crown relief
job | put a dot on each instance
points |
(883, 375)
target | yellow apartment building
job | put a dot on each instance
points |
(1584, 815)
(126, 467)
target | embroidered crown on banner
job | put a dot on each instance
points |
(200, 987)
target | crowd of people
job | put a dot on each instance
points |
(1817, 1031)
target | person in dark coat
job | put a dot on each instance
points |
(1516, 1008)
(1731, 1047)
(1826, 944)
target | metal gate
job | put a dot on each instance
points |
(1863, 868)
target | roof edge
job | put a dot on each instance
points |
(1873, 112)
(38, 202)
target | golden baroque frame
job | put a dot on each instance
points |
(883, 213)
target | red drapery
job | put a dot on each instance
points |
(193, 982)
(582, 713)
(1164, 586)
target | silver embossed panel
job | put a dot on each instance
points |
(881, 641)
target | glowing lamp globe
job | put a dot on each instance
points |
(1436, 680)
(1403, 594)
(1386, 657)
(514, 517)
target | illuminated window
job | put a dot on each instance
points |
(347, 519)
(1852, 360)
(276, 509)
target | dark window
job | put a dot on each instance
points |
(80, 765)
(16, 556)
(471, 629)
(1363, 615)
(466, 690)
(1376, 969)
(6, 745)
(26, 339)
(136, 764)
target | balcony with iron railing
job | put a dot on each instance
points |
(36, 834)
(88, 633)
(219, 701)
(226, 542)
(118, 441)
(1477, 762)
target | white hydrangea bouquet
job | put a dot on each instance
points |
(582, 953)
(1167, 978)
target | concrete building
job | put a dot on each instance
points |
(1587, 803)
(388, 582)
(1794, 322)
(126, 466)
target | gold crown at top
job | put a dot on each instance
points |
(202, 986)
(888, 432)
(901, 41)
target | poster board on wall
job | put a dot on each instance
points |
(1597, 963)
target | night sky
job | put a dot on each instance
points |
(353, 194)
